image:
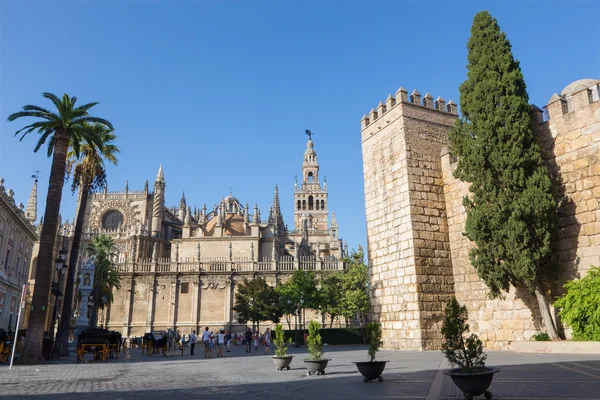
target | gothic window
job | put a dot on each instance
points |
(310, 177)
(299, 205)
(310, 202)
(322, 204)
(304, 204)
(112, 220)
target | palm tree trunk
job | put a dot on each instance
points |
(94, 316)
(32, 348)
(67, 311)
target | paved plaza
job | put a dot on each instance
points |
(408, 376)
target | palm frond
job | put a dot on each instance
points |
(53, 98)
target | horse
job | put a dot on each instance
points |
(171, 341)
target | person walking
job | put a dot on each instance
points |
(206, 341)
(248, 338)
(221, 343)
(193, 340)
(267, 339)
(228, 341)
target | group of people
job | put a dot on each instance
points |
(214, 344)
(218, 344)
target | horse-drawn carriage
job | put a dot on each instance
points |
(154, 342)
(100, 342)
(5, 346)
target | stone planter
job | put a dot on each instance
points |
(473, 383)
(316, 366)
(371, 370)
(282, 362)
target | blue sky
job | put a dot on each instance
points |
(221, 92)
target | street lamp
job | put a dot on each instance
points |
(301, 314)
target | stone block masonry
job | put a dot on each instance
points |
(418, 255)
(409, 254)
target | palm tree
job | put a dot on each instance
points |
(88, 175)
(102, 252)
(60, 128)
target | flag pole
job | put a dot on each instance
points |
(21, 307)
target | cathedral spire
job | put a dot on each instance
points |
(160, 176)
(182, 202)
(276, 206)
(31, 210)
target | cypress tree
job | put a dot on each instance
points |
(511, 211)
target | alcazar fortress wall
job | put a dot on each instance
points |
(418, 255)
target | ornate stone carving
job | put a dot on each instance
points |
(126, 206)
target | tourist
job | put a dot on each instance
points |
(248, 340)
(228, 341)
(205, 341)
(193, 340)
(267, 340)
(256, 341)
(221, 343)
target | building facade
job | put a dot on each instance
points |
(415, 216)
(179, 267)
(17, 238)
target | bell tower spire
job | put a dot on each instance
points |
(31, 210)
(310, 200)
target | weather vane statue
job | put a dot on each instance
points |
(309, 133)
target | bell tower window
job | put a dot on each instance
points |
(304, 204)
(310, 202)
(310, 177)
(317, 204)
(322, 204)
(299, 204)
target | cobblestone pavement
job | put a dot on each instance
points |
(408, 376)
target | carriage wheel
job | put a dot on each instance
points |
(149, 350)
(165, 350)
(80, 352)
(104, 353)
(4, 355)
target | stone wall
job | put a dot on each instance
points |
(407, 234)
(496, 322)
(570, 142)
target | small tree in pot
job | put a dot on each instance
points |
(466, 354)
(315, 363)
(372, 369)
(281, 359)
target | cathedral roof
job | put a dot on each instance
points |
(234, 225)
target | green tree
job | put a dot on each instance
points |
(511, 211)
(60, 129)
(355, 300)
(88, 175)
(102, 251)
(256, 301)
(331, 294)
(578, 307)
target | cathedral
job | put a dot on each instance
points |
(179, 266)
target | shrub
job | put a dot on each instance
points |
(373, 333)
(578, 307)
(466, 353)
(280, 341)
(541, 337)
(314, 343)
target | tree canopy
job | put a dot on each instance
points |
(511, 211)
(256, 301)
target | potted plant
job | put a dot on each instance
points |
(372, 369)
(466, 354)
(281, 359)
(315, 363)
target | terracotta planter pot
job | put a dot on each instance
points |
(316, 366)
(282, 362)
(473, 383)
(371, 370)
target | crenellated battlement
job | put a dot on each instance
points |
(415, 99)
(577, 96)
